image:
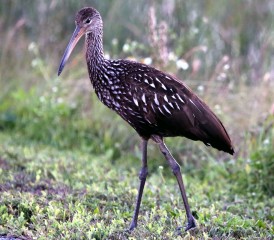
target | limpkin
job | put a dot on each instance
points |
(154, 103)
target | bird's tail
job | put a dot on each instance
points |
(216, 134)
(211, 131)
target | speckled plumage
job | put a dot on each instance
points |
(154, 103)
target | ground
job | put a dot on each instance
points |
(51, 193)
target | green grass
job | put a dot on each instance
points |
(70, 174)
(69, 167)
(48, 193)
(69, 170)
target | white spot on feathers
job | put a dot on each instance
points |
(135, 102)
(156, 99)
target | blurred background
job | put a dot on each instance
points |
(222, 49)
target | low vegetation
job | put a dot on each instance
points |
(69, 166)
(63, 177)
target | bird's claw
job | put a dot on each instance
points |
(190, 224)
(132, 226)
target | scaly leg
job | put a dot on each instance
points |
(176, 170)
(142, 176)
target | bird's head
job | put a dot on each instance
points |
(87, 20)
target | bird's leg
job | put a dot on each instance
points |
(142, 176)
(176, 170)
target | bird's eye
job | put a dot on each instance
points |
(88, 20)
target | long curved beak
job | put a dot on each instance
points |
(77, 34)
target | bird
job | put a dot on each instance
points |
(154, 103)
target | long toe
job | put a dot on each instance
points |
(132, 226)
(190, 224)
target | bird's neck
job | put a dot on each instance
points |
(94, 53)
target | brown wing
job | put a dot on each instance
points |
(172, 109)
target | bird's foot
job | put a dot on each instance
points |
(190, 223)
(132, 226)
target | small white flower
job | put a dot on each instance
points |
(60, 100)
(181, 63)
(266, 141)
(172, 57)
(148, 60)
(42, 99)
(126, 47)
(201, 88)
(54, 89)
(114, 41)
